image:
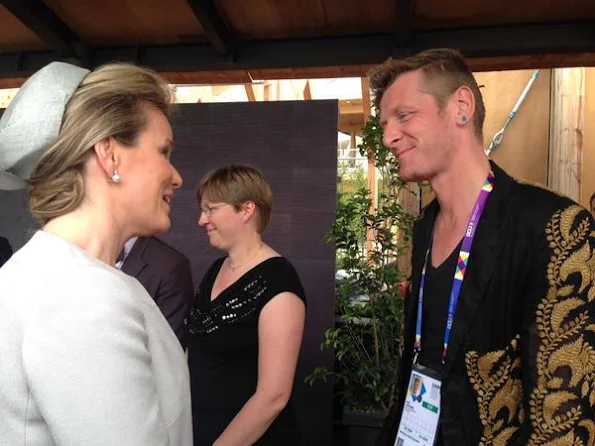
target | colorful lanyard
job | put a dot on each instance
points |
(488, 185)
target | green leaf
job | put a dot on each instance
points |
(366, 341)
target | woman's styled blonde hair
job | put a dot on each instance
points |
(236, 184)
(111, 101)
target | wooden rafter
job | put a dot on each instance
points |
(402, 25)
(214, 26)
(509, 47)
(307, 92)
(250, 92)
(40, 19)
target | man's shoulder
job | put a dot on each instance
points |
(532, 209)
(534, 200)
(158, 247)
(4, 243)
(528, 198)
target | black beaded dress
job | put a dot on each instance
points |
(222, 337)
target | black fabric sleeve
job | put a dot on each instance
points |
(282, 277)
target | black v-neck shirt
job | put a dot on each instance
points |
(438, 285)
(222, 337)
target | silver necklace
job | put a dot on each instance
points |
(235, 268)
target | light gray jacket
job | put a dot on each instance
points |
(86, 357)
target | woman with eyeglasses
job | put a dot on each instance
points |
(245, 328)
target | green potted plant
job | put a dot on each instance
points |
(369, 239)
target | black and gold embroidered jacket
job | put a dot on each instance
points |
(520, 369)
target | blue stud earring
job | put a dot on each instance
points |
(463, 119)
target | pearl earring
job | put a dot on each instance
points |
(116, 177)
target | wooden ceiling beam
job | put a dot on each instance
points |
(42, 21)
(350, 128)
(16, 77)
(214, 26)
(350, 107)
(488, 42)
(402, 25)
(491, 48)
(366, 99)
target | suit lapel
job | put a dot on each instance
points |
(134, 263)
(485, 252)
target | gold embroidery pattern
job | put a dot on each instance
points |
(495, 377)
(565, 360)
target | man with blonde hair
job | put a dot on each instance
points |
(500, 313)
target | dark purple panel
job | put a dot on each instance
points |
(16, 223)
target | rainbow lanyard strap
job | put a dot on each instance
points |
(460, 270)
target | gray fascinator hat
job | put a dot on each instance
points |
(32, 121)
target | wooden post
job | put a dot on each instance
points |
(307, 92)
(567, 122)
(588, 173)
(353, 149)
(250, 92)
(267, 91)
(409, 199)
(367, 106)
(372, 185)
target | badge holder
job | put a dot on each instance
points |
(421, 412)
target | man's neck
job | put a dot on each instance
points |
(457, 188)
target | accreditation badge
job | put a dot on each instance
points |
(421, 412)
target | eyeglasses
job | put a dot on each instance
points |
(208, 210)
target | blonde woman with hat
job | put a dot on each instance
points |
(87, 358)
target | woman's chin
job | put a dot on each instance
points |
(214, 241)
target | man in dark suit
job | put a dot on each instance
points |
(166, 275)
(5, 251)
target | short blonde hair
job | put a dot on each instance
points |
(111, 101)
(236, 184)
(444, 71)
